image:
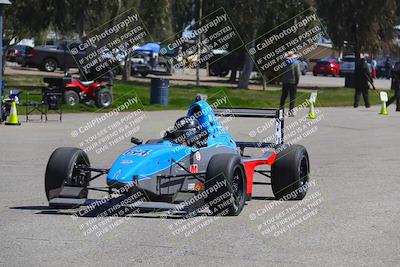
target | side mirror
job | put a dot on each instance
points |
(136, 141)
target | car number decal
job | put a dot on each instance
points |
(197, 155)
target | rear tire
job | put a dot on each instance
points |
(61, 171)
(103, 98)
(49, 65)
(71, 98)
(290, 173)
(226, 172)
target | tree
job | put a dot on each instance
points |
(26, 19)
(156, 15)
(364, 25)
(81, 17)
(248, 17)
(253, 18)
(182, 13)
(249, 29)
(126, 5)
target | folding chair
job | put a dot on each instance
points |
(52, 99)
(31, 106)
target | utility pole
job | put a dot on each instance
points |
(199, 46)
(2, 4)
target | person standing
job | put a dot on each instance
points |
(395, 87)
(290, 79)
(362, 78)
(388, 68)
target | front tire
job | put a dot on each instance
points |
(290, 173)
(226, 173)
(103, 98)
(61, 171)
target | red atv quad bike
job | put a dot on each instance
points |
(87, 92)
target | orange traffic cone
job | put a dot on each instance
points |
(13, 118)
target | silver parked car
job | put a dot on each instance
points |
(347, 65)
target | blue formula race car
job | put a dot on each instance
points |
(196, 166)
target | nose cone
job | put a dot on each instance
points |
(143, 161)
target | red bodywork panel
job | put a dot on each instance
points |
(88, 90)
(251, 164)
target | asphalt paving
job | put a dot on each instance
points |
(349, 217)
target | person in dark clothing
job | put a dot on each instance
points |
(396, 86)
(290, 79)
(362, 78)
(388, 68)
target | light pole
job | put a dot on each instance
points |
(3, 3)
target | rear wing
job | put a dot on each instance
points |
(266, 113)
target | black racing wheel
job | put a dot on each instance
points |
(226, 174)
(66, 167)
(290, 173)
